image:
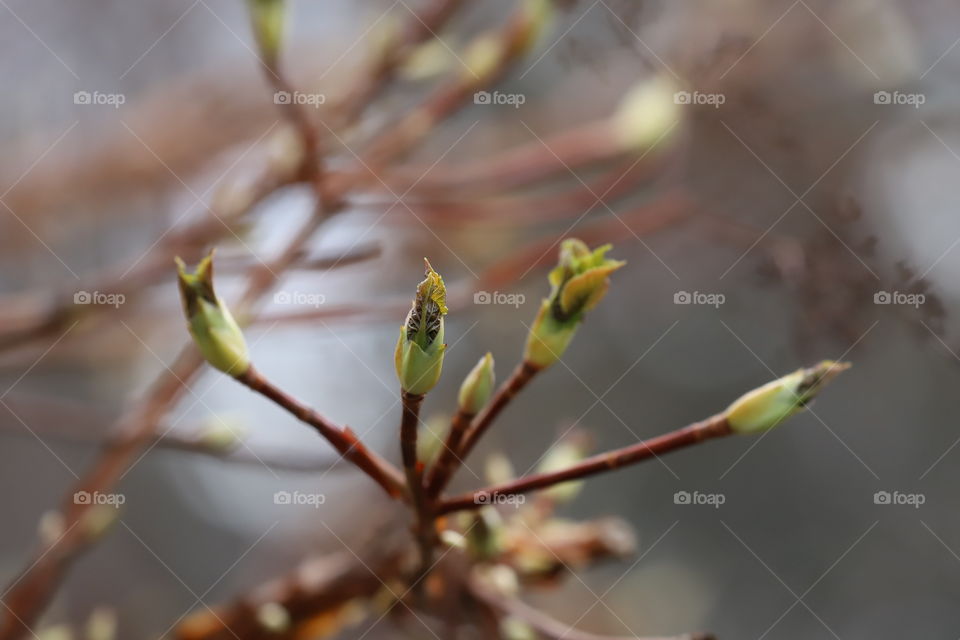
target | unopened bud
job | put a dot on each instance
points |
(268, 17)
(765, 407)
(222, 436)
(477, 386)
(420, 349)
(210, 322)
(514, 628)
(566, 453)
(273, 617)
(579, 282)
(102, 624)
(646, 115)
(431, 438)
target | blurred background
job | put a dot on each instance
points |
(815, 150)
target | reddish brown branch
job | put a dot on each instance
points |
(423, 528)
(713, 427)
(342, 438)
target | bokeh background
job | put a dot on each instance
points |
(813, 196)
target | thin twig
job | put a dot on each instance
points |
(342, 438)
(713, 427)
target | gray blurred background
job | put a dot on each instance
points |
(813, 196)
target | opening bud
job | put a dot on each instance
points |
(579, 282)
(210, 322)
(420, 349)
(765, 407)
(477, 386)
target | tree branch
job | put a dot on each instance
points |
(342, 438)
(713, 427)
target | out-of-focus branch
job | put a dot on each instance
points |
(318, 587)
(550, 627)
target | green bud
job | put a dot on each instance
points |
(419, 353)
(497, 469)
(514, 628)
(213, 328)
(578, 282)
(453, 539)
(432, 434)
(537, 15)
(562, 455)
(56, 632)
(268, 17)
(765, 407)
(646, 115)
(477, 386)
(102, 624)
(485, 534)
(273, 617)
(222, 435)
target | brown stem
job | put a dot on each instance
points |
(519, 379)
(445, 465)
(342, 438)
(409, 424)
(713, 427)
